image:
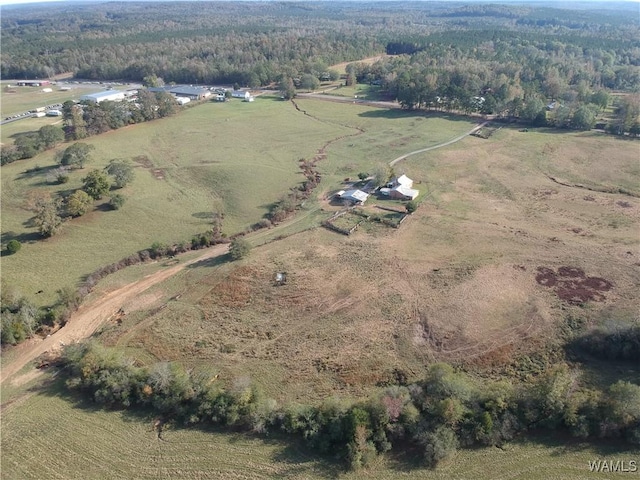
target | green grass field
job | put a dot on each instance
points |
(14, 100)
(235, 156)
(48, 435)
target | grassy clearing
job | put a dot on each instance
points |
(10, 131)
(456, 282)
(203, 159)
(377, 136)
(46, 435)
(361, 91)
(29, 98)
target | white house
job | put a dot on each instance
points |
(400, 188)
(402, 192)
(107, 95)
(401, 180)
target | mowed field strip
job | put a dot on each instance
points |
(48, 435)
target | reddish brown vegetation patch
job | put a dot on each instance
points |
(572, 285)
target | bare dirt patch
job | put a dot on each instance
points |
(572, 285)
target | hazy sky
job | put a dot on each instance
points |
(14, 2)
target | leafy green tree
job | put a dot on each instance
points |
(13, 246)
(363, 176)
(116, 201)
(75, 128)
(601, 99)
(439, 445)
(76, 155)
(121, 170)
(309, 82)
(287, 89)
(624, 401)
(152, 81)
(47, 219)
(381, 175)
(79, 203)
(239, 248)
(411, 206)
(96, 184)
(50, 136)
(166, 104)
(28, 145)
(584, 118)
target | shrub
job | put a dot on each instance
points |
(13, 246)
(116, 201)
(411, 206)
(239, 248)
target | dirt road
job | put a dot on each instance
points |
(90, 317)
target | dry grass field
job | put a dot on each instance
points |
(459, 281)
(514, 236)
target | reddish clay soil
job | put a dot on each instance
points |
(572, 285)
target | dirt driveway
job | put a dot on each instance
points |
(90, 317)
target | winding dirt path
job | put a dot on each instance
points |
(90, 317)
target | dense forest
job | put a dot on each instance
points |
(508, 60)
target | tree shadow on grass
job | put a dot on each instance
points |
(294, 459)
(396, 113)
(212, 262)
(25, 237)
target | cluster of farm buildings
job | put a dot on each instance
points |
(182, 93)
(399, 188)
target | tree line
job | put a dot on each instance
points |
(445, 411)
(257, 44)
(85, 119)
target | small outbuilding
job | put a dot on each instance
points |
(243, 94)
(355, 197)
(182, 100)
(54, 113)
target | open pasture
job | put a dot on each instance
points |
(234, 158)
(22, 99)
(48, 435)
(457, 282)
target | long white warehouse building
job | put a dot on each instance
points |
(112, 95)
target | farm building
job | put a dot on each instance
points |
(107, 95)
(182, 100)
(220, 97)
(54, 113)
(399, 188)
(401, 180)
(356, 197)
(244, 94)
(193, 93)
(33, 83)
(402, 192)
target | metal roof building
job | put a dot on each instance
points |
(112, 95)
